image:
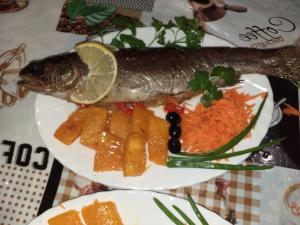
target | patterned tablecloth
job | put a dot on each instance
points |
(244, 193)
(32, 181)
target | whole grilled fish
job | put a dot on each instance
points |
(150, 75)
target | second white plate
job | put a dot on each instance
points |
(134, 207)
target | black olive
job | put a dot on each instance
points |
(174, 145)
(175, 131)
(173, 118)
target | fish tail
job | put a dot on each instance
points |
(290, 68)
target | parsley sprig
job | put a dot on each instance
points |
(126, 23)
(193, 33)
(192, 38)
(203, 83)
(106, 14)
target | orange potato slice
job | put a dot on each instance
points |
(93, 125)
(70, 217)
(158, 136)
(71, 129)
(109, 153)
(101, 213)
(119, 124)
(68, 131)
(140, 120)
(134, 155)
(81, 113)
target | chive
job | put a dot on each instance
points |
(168, 212)
(196, 210)
(211, 165)
(234, 140)
(201, 158)
(183, 215)
(296, 83)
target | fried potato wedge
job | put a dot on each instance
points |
(109, 153)
(81, 113)
(70, 217)
(101, 213)
(71, 129)
(134, 155)
(140, 120)
(93, 125)
(119, 124)
(68, 131)
(158, 136)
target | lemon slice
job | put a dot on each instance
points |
(102, 66)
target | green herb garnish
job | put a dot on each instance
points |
(191, 29)
(117, 43)
(124, 22)
(202, 83)
(193, 34)
(228, 74)
(196, 210)
(202, 158)
(296, 83)
(93, 14)
(183, 215)
(177, 221)
(132, 41)
(169, 214)
(211, 165)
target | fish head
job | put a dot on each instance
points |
(56, 75)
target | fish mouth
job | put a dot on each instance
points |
(42, 88)
(36, 84)
(28, 84)
(32, 83)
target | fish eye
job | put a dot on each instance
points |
(36, 68)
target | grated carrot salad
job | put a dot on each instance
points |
(206, 129)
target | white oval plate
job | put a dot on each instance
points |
(134, 207)
(50, 112)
